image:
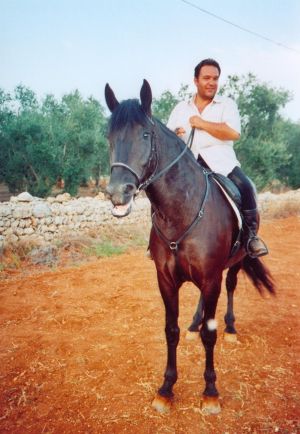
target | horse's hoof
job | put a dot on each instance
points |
(192, 336)
(210, 405)
(162, 404)
(230, 337)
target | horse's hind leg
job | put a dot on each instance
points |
(193, 329)
(162, 402)
(229, 318)
(208, 333)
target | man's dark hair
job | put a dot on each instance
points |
(206, 62)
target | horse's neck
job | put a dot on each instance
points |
(177, 193)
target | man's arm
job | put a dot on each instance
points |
(220, 130)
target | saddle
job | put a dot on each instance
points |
(229, 187)
(233, 196)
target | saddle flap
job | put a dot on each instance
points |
(230, 188)
(233, 197)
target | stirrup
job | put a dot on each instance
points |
(261, 251)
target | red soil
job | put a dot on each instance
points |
(83, 350)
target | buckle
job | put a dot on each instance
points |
(173, 245)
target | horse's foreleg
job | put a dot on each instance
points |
(162, 402)
(229, 318)
(208, 333)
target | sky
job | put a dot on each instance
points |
(57, 46)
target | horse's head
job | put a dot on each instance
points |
(131, 138)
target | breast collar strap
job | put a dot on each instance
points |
(173, 245)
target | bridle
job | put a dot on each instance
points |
(143, 185)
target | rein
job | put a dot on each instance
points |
(154, 176)
(173, 245)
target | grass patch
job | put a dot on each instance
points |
(77, 248)
(104, 249)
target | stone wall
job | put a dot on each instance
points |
(26, 217)
(45, 220)
(274, 205)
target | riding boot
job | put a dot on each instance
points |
(255, 247)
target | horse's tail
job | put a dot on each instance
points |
(259, 274)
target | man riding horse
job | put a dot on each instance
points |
(217, 125)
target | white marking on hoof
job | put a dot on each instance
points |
(192, 336)
(162, 404)
(212, 324)
(230, 337)
(210, 405)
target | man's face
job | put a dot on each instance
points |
(207, 81)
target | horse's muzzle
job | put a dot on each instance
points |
(121, 196)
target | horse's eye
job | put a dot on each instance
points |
(146, 135)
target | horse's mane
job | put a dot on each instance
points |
(166, 130)
(172, 136)
(127, 112)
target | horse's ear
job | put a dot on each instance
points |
(110, 98)
(146, 97)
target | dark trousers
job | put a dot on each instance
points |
(245, 187)
(254, 246)
(243, 183)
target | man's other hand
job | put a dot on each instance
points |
(180, 131)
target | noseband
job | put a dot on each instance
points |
(153, 155)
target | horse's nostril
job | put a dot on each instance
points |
(108, 191)
(107, 194)
(118, 193)
(129, 188)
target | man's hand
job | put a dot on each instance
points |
(196, 122)
(180, 131)
(220, 130)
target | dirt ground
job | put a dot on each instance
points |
(83, 349)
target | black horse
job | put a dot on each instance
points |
(193, 231)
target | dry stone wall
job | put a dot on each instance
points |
(47, 220)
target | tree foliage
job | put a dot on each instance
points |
(263, 148)
(163, 105)
(40, 142)
(290, 173)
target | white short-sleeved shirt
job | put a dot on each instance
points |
(218, 154)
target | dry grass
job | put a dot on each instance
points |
(275, 206)
(107, 240)
(282, 209)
